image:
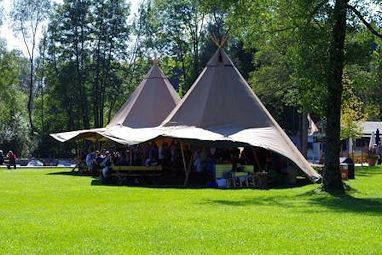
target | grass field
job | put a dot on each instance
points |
(45, 212)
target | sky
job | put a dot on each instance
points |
(15, 42)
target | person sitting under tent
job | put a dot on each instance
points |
(97, 162)
(122, 160)
(197, 161)
(105, 173)
(152, 155)
(210, 167)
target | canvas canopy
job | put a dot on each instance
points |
(147, 106)
(221, 107)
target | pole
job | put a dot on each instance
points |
(183, 158)
(131, 155)
(256, 159)
(188, 172)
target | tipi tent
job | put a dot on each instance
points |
(220, 106)
(147, 106)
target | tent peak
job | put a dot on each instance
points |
(220, 43)
(220, 58)
(156, 61)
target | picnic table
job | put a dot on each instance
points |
(122, 173)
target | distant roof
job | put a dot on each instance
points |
(370, 126)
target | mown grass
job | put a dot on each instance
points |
(45, 212)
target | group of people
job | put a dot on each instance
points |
(11, 157)
(170, 156)
(140, 155)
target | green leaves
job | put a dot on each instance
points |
(352, 112)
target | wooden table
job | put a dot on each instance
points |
(121, 173)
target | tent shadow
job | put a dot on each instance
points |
(132, 184)
(70, 173)
(179, 184)
(339, 204)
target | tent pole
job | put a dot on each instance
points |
(188, 172)
(183, 158)
(78, 157)
(131, 155)
(256, 159)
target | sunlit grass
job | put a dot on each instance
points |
(46, 213)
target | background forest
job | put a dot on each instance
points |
(94, 53)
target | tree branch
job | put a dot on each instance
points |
(368, 25)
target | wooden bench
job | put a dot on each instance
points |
(121, 173)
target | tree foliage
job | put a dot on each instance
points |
(352, 113)
(94, 54)
(27, 17)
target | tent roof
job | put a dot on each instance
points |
(220, 106)
(150, 103)
(371, 126)
(220, 97)
(147, 106)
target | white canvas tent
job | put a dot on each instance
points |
(147, 106)
(221, 107)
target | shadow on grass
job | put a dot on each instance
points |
(349, 203)
(132, 183)
(70, 173)
(178, 185)
(340, 204)
(165, 182)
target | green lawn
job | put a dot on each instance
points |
(46, 213)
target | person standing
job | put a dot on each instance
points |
(89, 160)
(11, 159)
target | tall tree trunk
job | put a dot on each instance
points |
(84, 99)
(332, 182)
(96, 88)
(106, 79)
(42, 107)
(30, 97)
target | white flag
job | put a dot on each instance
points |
(312, 127)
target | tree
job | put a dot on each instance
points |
(14, 131)
(27, 17)
(309, 39)
(69, 38)
(182, 24)
(87, 53)
(332, 182)
(352, 112)
(110, 33)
